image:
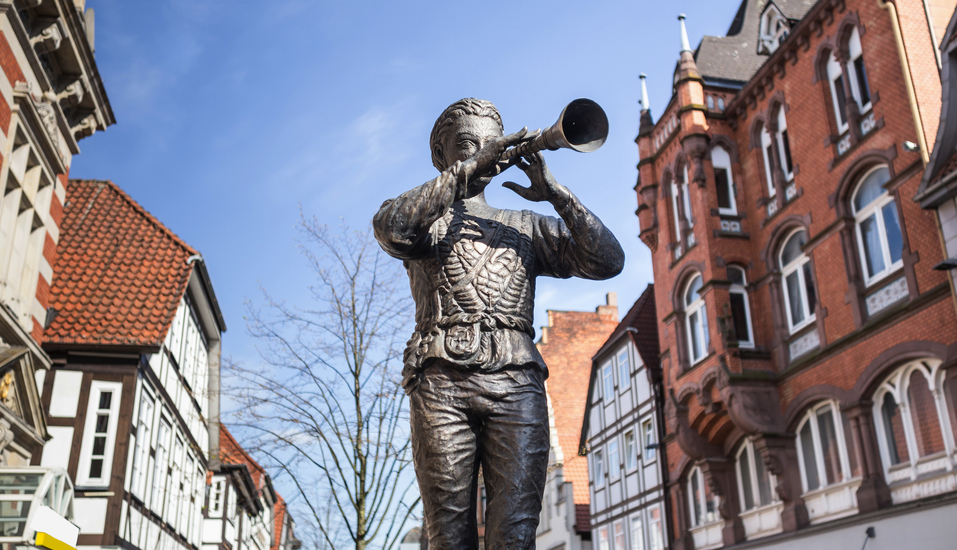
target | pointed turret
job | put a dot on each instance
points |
(689, 92)
(647, 123)
(646, 188)
(687, 68)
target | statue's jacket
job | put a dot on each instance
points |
(473, 278)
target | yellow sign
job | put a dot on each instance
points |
(46, 541)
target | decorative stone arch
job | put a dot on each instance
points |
(667, 177)
(876, 372)
(807, 399)
(758, 122)
(681, 280)
(726, 143)
(823, 54)
(841, 198)
(782, 230)
(775, 102)
(843, 30)
(686, 392)
(679, 163)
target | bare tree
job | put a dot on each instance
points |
(326, 408)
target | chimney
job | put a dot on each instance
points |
(609, 311)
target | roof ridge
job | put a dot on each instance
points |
(245, 453)
(139, 208)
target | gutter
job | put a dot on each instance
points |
(908, 82)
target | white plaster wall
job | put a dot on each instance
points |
(56, 452)
(66, 393)
(90, 514)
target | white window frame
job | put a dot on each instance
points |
(217, 496)
(631, 450)
(697, 475)
(604, 541)
(656, 532)
(614, 459)
(649, 440)
(875, 208)
(624, 377)
(748, 448)
(97, 388)
(742, 290)
(686, 197)
(619, 536)
(160, 466)
(141, 452)
(856, 51)
(701, 332)
(797, 265)
(768, 172)
(811, 416)
(608, 381)
(637, 535)
(833, 73)
(675, 197)
(784, 150)
(720, 159)
(771, 38)
(598, 460)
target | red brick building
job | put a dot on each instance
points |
(807, 342)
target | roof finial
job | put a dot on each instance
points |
(685, 45)
(644, 92)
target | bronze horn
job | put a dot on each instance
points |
(582, 127)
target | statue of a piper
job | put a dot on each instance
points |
(475, 380)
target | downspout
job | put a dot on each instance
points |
(933, 34)
(908, 83)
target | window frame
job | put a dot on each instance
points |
(598, 461)
(618, 534)
(140, 472)
(631, 450)
(702, 334)
(697, 475)
(784, 146)
(796, 266)
(608, 381)
(811, 416)
(722, 161)
(656, 532)
(766, 143)
(649, 441)
(97, 388)
(856, 51)
(604, 539)
(637, 540)
(748, 448)
(614, 459)
(737, 288)
(160, 466)
(838, 101)
(624, 377)
(876, 208)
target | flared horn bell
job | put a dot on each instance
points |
(582, 127)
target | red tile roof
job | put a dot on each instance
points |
(567, 345)
(279, 516)
(119, 273)
(230, 452)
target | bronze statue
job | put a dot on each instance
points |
(475, 380)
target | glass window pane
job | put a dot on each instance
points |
(695, 490)
(841, 99)
(710, 503)
(736, 276)
(923, 412)
(786, 145)
(613, 459)
(764, 480)
(793, 249)
(694, 322)
(769, 159)
(892, 228)
(809, 289)
(795, 300)
(631, 450)
(829, 449)
(96, 468)
(745, 478)
(637, 534)
(693, 292)
(624, 370)
(808, 454)
(99, 446)
(871, 188)
(739, 317)
(105, 399)
(871, 243)
(723, 187)
(609, 378)
(704, 331)
(894, 430)
(862, 81)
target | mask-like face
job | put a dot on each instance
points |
(469, 135)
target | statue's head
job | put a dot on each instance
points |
(462, 129)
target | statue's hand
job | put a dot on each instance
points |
(487, 161)
(543, 187)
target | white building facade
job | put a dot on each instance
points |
(621, 434)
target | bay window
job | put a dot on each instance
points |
(879, 238)
(740, 307)
(799, 297)
(696, 321)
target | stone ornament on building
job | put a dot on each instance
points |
(472, 357)
(50, 36)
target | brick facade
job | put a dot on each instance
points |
(862, 330)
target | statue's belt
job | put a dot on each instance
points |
(488, 322)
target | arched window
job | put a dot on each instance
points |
(824, 454)
(913, 426)
(754, 481)
(835, 76)
(879, 238)
(681, 206)
(856, 72)
(724, 183)
(710, 102)
(740, 307)
(696, 321)
(799, 297)
(701, 499)
(720, 103)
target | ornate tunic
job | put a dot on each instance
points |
(473, 279)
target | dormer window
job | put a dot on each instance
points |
(774, 29)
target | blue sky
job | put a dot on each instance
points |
(232, 114)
